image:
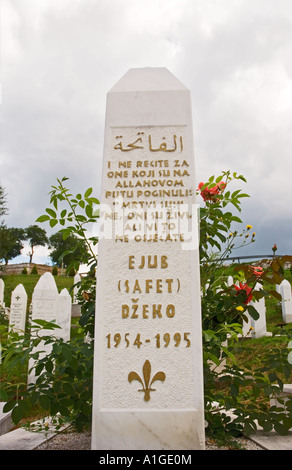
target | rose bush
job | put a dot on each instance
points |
(246, 390)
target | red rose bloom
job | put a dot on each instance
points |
(257, 270)
(247, 290)
(209, 194)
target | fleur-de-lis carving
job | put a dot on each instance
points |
(147, 376)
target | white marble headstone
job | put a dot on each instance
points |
(77, 278)
(230, 281)
(285, 291)
(148, 383)
(2, 287)
(259, 326)
(18, 307)
(64, 306)
(44, 307)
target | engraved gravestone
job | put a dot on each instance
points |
(148, 384)
(18, 306)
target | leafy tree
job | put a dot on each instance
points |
(3, 207)
(36, 236)
(10, 242)
(66, 251)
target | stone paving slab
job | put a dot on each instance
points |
(272, 441)
(5, 420)
(20, 439)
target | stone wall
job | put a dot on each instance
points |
(18, 268)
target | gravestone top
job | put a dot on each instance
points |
(47, 283)
(147, 79)
(18, 306)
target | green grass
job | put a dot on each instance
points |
(29, 282)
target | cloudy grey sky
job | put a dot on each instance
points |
(59, 58)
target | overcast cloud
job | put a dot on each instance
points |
(59, 58)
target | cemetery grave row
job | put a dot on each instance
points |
(47, 304)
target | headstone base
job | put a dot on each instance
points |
(148, 430)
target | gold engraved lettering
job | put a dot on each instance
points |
(131, 263)
(145, 311)
(152, 262)
(148, 285)
(137, 287)
(158, 286)
(170, 311)
(127, 164)
(155, 311)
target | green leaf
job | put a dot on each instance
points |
(49, 366)
(68, 389)
(43, 218)
(57, 386)
(280, 429)
(236, 219)
(54, 408)
(9, 405)
(94, 200)
(46, 324)
(229, 354)
(219, 179)
(53, 222)
(88, 211)
(241, 177)
(243, 195)
(51, 213)
(253, 312)
(88, 192)
(44, 401)
(16, 414)
(234, 390)
(66, 232)
(248, 429)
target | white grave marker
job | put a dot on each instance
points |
(64, 306)
(260, 325)
(77, 278)
(44, 307)
(2, 287)
(230, 281)
(148, 383)
(285, 291)
(18, 308)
